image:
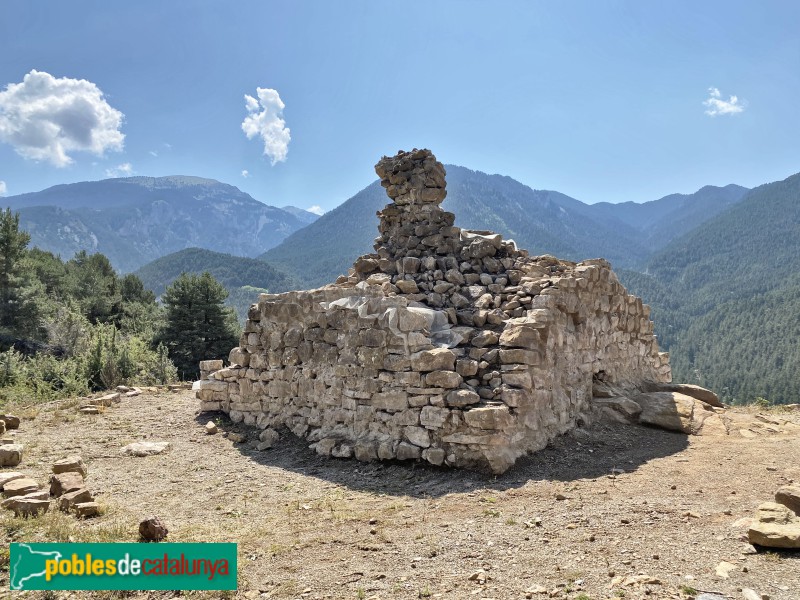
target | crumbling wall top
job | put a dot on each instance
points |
(413, 178)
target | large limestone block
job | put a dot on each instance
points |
(521, 333)
(26, 506)
(688, 389)
(437, 359)
(673, 411)
(488, 417)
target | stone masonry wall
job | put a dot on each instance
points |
(446, 345)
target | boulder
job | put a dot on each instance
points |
(70, 464)
(618, 408)
(61, 483)
(145, 448)
(673, 411)
(789, 496)
(211, 428)
(20, 487)
(153, 529)
(10, 455)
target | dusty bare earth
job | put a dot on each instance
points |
(582, 519)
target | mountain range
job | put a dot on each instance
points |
(135, 220)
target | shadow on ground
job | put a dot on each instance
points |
(583, 454)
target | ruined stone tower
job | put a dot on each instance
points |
(446, 345)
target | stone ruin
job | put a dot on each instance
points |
(446, 345)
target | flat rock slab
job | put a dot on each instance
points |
(70, 464)
(28, 505)
(776, 527)
(145, 448)
(10, 476)
(20, 487)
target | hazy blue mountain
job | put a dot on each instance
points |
(661, 221)
(302, 214)
(134, 220)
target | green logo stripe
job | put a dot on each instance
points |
(127, 566)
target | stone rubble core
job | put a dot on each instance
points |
(447, 345)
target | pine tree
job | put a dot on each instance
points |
(18, 310)
(198, 324)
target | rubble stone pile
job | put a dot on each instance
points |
(447, 345)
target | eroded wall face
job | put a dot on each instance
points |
(445, 345)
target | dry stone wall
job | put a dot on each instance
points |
(446, 345)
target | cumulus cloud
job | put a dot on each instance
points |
(316, 209)
(245, 173)
(265, 120)
(123, 170)
(47, 118)
(3, 188)
(716, 105)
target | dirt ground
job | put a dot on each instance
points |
(610, 512)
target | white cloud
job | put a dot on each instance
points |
(46, 118)
(717, 106)
(153, 153)
(3, 188)
(245, 173)
(123, 170)
(316, 209)
(265, 119)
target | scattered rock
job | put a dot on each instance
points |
(776, 527)
(268, 437)
(236, 438)
(10, 421)
(27, 505)
(68, 501)
(153, 529)
(789, 496)
(87, 509)
(69, 481)
(5, 477)
(145, 448)
(749, 594)
(106, 400)
(724, 569)
(70, 464)
(10, 455)
(20, 487)
(89, 410)
(211, 428)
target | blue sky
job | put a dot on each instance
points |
(603, 101)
